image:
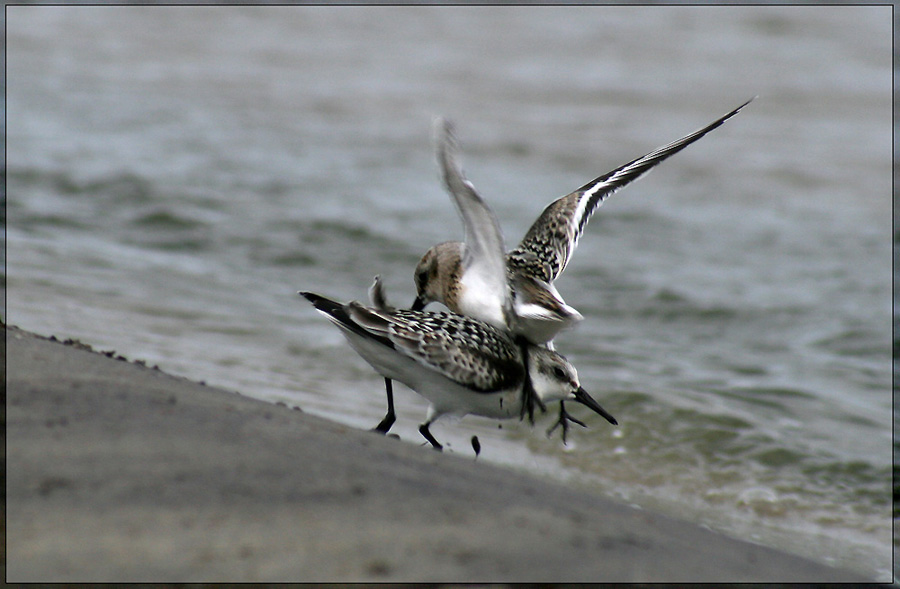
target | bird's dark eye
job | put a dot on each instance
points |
(422, 277)
(559, 373)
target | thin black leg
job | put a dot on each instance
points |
(423, 429)
(529, 397)
(564, 419)
(390, 418)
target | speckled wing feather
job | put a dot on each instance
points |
(467, 351)
(547, 247)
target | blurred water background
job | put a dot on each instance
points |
(176, 174)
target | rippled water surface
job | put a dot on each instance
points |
(176, 174)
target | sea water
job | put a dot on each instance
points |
(176, 174)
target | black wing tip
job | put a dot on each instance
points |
(738, 109)
(311, 296)
(321, 303)
(336, 312)
(751, 99)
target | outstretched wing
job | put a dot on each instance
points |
(550, 242)
(484, 259)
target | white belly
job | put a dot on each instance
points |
(445, 395)
(477, 300)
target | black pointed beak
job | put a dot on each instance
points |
(418, 304)
(584, 398)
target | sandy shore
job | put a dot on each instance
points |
(119, 472)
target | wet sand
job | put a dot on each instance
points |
(119, 472)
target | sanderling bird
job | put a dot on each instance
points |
(459, 364)
(465, 276)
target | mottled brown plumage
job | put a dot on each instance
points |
(543, 254)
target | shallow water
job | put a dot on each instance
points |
(176, 174)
